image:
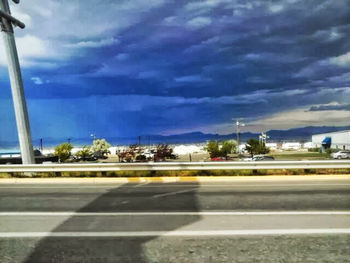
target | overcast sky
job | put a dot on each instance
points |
(131, 67)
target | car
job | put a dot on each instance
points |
(262, 158)
(220, 159)
(341, 155)
(259, 157)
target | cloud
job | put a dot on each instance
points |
(276, 8)
(252, 56)
(329, 35)
(213, 58)
(94, 44)
(29, 48)
(25, 18)
(147, 74)
(331, 106)
(300, 117)
(37, 80)
(342, 60)
(122, 56)
(199, 22)
(191, 78)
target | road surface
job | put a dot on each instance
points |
(236, 221)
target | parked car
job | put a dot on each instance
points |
(259, 158)
(341, 155)
(220, 159)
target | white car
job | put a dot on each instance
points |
(341, 155)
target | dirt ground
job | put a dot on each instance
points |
(279, 156)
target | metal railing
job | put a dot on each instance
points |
(163, 166)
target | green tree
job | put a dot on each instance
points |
(63, 151)
(100, 148)
(227, 147)
(84, 154)
(213, 149)
(253, 146)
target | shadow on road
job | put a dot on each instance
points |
(127, 198)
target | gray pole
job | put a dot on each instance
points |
(237, 135)
(19, 103)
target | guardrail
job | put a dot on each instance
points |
(162, 166)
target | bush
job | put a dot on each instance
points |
(253, 146)
(213, 149)
(63, 151)
(316, 149)
(100, 148)
(227, 147)
(329, 151)
(84, 154)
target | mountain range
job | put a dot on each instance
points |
(298, 134)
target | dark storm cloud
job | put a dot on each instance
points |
(330, 107)
(212, 54)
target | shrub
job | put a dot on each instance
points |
(214, 150)
(253, 146)
(84, 154)
(63, 151)
(316, 149)
(100, 148)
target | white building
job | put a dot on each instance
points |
(339, 140)
(271, 145)
(308, 145)
(291, 146)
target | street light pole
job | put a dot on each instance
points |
(238, 123)
(19, 103)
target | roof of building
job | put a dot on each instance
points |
(327, 133)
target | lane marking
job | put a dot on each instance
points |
(198, 213)
(174, 193)
(162, 185)
(141, 185)
(248, 232)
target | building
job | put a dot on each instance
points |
(291, 146)
(336, 140)
(271, 145)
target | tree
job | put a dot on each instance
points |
(84, 154)
(213, 149)
(63, 151)
(100, 148)
(253, 146)
(163, 152)
(222, 150)
(227, 147)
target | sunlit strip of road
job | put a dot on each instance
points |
(316, 231)
(161, 185)
(198, 213)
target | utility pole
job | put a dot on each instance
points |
(22, 121)
(238, 124)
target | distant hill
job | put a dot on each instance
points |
(297, 134)
(304, 133)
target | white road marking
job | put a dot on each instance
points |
(173, 193)
(247, 232)
(198, 213)
(141, 184)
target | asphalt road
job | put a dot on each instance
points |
(270, 221)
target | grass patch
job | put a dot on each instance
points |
(181, 173)
(301, 156)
